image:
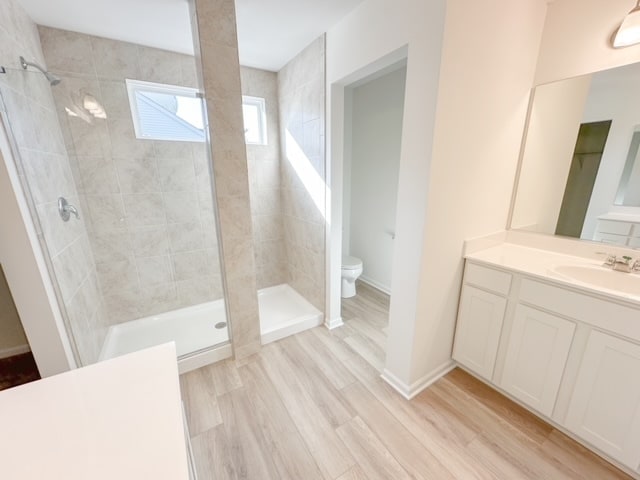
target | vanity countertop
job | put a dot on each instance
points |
(544, 263)
(121, 418)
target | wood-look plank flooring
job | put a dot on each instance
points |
(313, 406)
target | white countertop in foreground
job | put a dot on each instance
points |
(119, 419)
(540, 263)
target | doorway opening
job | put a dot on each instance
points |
(374, 108)
(587, 155)
(17, 365)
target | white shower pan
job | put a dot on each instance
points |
(283, 312)
(192, 329)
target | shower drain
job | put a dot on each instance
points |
(220, 325)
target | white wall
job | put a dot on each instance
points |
(576, 39)
(346, 170)
(374, 36)
(376, 129)
(455, 182)
(488, 65)
(553, 127)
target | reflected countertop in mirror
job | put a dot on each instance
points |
(579, 174)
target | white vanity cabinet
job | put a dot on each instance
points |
(480, 317)
(537, 352)
(605, 405)
(571, 356)
(478, 332)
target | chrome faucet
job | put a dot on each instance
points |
(622, 264)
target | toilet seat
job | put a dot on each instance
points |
(351, 263)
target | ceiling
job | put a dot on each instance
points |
(270, 32)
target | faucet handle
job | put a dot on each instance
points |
(65, 209)
(611, 260)
(636, 265)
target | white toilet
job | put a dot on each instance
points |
(351, 270)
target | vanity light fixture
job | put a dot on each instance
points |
(629, 31)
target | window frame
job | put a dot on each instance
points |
(139, 85)
(134, 86)
(262, 120)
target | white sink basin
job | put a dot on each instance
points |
(602, 277)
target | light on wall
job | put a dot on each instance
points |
(629, 32)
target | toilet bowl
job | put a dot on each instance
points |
(351, 270)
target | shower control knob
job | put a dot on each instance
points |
(66, 209)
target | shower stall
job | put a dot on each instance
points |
(123, 205)
(287, 188)
(110, 141)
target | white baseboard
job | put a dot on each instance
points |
(333, 323)
(374, 284)
(10, 352)
(410, 391)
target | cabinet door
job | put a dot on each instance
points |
(478, 330)
(536, 356)
(605, 405)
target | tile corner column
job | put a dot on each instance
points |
(216, 46)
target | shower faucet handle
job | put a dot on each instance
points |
(66, 209)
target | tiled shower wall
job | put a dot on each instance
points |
(44, 166)
(301, 92)
(265, 184)
(148, 203)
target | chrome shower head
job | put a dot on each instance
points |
(53, 80)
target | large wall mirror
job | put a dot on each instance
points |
(580, 171)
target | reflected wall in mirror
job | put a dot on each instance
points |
(629, 189)
(579, 173)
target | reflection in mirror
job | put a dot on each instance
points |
(585, 163)
(629, 188)
(578, 175)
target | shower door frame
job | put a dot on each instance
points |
(33, 288)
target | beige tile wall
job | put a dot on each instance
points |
(216, 46)
(265, 184)
(45, 171)
(148, 203)
(301, 92)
